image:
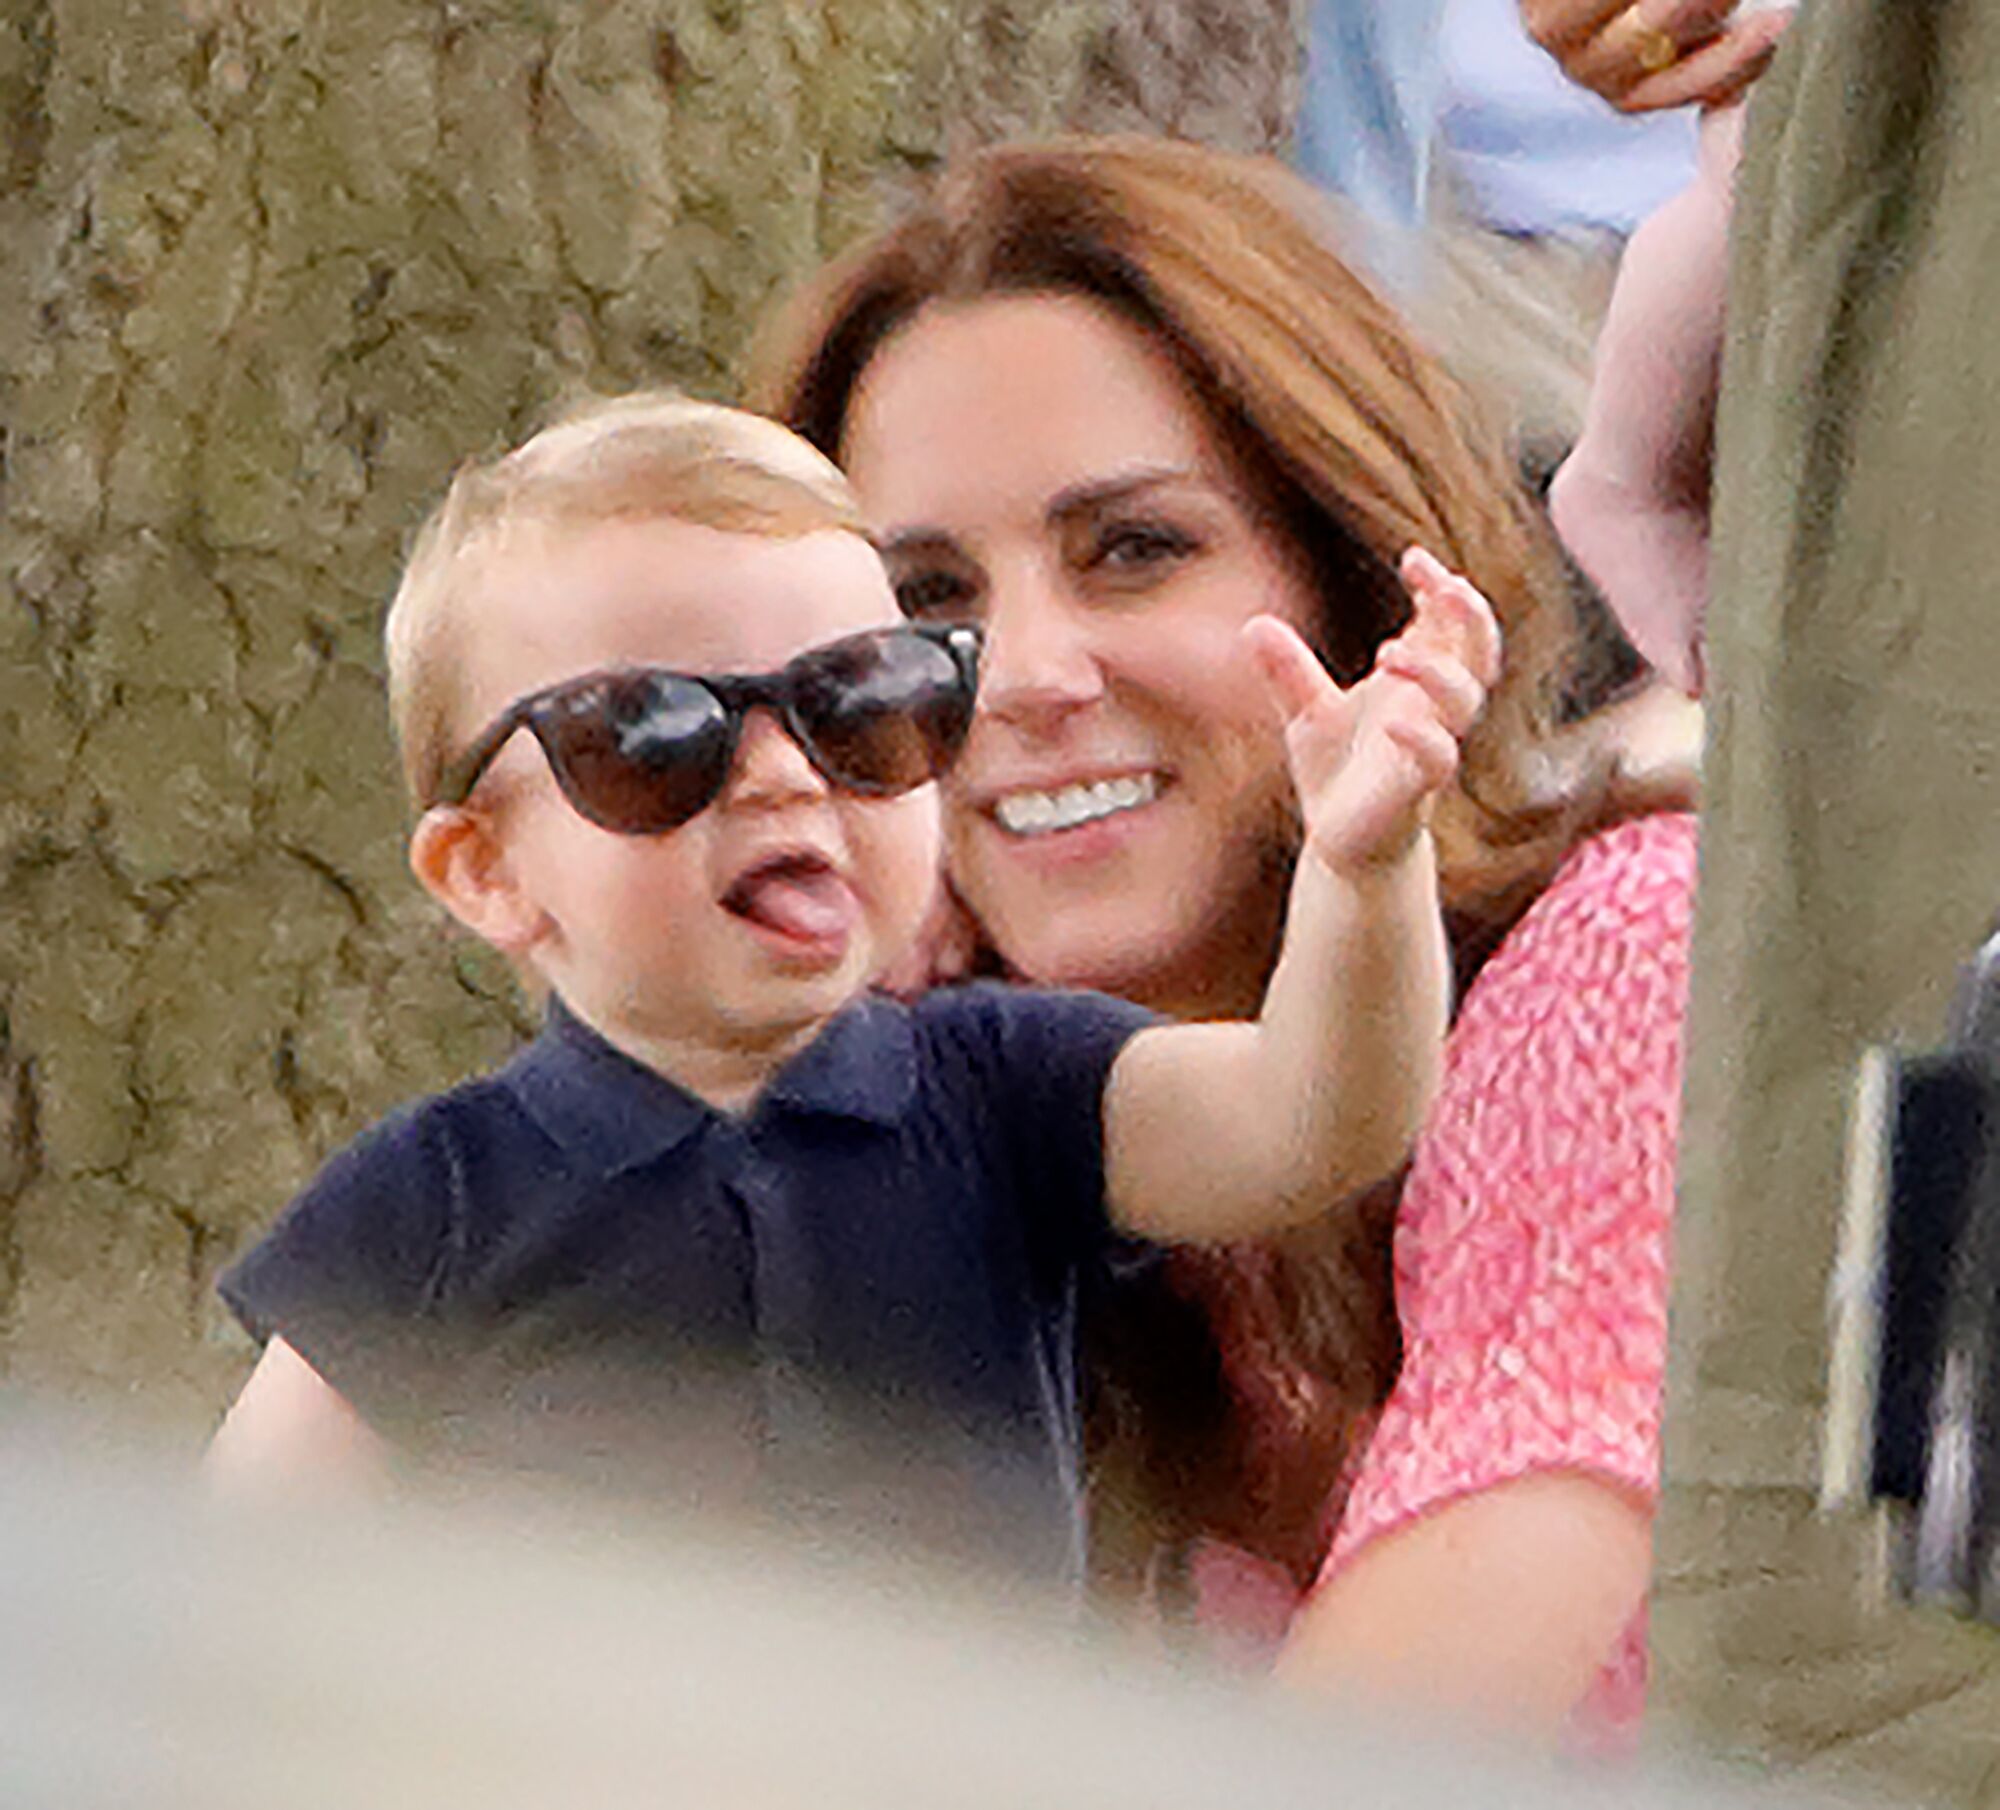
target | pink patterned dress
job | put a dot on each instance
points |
(1531, 1241)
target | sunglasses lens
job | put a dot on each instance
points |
(882, 712)
(641, 754)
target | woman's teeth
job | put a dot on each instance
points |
(1039, 813)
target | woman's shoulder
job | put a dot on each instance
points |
(1583, 1005)
(1536, 1209)
(1633, 883)
(1641, 859)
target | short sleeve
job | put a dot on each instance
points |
(1532, 1242)
(1050, 1055)
(349, 1268)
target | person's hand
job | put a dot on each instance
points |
(1652, 54)
(943, 952)
(1368, 760)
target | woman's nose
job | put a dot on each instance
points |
(771, 768)
(1040, 657)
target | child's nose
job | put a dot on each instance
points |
(771, 768)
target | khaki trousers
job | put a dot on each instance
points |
(1850, 858)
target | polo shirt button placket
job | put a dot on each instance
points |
(729, 1149)
(796, 1425)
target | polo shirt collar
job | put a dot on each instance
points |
(599, 1103)
(862, 1066)
(596, 1102)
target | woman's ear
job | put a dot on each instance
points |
(462, 863)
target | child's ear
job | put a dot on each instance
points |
(458, 856)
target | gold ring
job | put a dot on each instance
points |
(1655, 50)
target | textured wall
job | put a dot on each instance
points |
(269, 268)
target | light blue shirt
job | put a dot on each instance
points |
(1393, 84)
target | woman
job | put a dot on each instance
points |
(1112, 398)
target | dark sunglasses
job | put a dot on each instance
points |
(642, 752)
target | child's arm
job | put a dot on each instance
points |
(1230, 1131)
(290, 1430)
(1631, 502)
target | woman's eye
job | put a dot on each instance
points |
(1138, 547)
(925, 595)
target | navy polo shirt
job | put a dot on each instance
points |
(859, 1297)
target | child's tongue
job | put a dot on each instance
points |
(811, 903)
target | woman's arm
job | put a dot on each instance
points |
(291, 1431)
(1500, 1606)
(1495, 1541)
(1232, 1131)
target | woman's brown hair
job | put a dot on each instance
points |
(1363, 446)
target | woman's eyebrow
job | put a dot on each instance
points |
(906, 541)
(1085, 497)
(1094, 494)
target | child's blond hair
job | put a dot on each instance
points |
(652, 454)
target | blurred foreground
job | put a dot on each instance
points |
(500, 1649)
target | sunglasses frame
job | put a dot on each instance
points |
(737, 693)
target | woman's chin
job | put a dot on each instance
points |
(1148, 944)
(1129, 956)
(1163, 918)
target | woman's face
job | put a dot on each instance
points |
(1119, 814)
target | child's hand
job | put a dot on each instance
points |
(1368, 760)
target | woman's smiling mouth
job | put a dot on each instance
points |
(1042, 813)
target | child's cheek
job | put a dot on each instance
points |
(908, 856)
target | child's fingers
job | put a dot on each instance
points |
(1453, 611)
(1431, 747)
(1293, 675)
(1384, 793)
(1457, 696)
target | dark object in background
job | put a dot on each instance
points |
(1913, 1413)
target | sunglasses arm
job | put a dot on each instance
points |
(455, 787)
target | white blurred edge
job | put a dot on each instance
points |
(158, 1653)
